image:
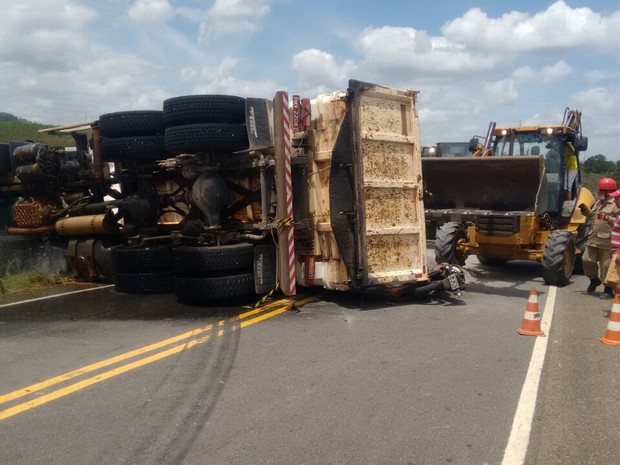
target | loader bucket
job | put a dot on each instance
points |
(485, 183)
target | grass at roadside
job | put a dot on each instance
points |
(28, 280)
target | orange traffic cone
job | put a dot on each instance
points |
(612, 335)
(530, 326)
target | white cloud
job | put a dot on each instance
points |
(599, 100)
(49, 35)
(230, 17)
(559, 27)
(524, 75)
(501, 92)
(556, 72)
(234, 9)
(406, 50)
(319, 71)
(549, 74)
(219, 80)
(597, 75)
(150, 11)
(599, 106)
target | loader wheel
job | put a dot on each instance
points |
(213, 288)
(449, 236)
(558, 258)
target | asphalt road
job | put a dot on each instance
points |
(99, 377)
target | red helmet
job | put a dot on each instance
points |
(607, 184)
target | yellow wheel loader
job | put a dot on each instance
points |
(516, 198)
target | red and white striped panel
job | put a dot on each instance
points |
(289, 194)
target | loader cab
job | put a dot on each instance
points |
(550, 144)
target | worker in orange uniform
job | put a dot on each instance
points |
(612, 279)
(597, 256)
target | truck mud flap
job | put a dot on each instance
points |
(264, 268)
(485, 183)
(259, 122)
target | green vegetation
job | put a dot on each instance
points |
(597, 167)
(28, 280)
(27, 131)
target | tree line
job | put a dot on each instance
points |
(598, 164)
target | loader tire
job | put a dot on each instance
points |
(195, 138)
(221, 260)
(558, 258)
(131, 123)
(213, 288)
(144, 283)
(449, 236)
(191, 109)
(127, 259)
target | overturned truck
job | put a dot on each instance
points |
(516, 199)
(217, 197)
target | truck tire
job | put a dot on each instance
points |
(222, 259)
(449, 235)
(194, 138)
(558, 258)
(136, 148)
(191, 109)
(127, 259)
(131, 123)
(144, 283)
(213, 288)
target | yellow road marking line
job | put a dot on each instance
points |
(95, 366)
(119, 358)
(277, 312)
(98, 378)
(44, 399)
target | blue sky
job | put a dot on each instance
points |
(472, 61)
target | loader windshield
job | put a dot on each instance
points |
(520, 143)
(534, 143)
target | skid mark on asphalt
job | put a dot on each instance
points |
(179, 343)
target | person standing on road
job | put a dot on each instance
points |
(612, 279)
(571, 168)
(597, 256)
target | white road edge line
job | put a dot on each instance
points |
(522, 423)
(19, 302)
